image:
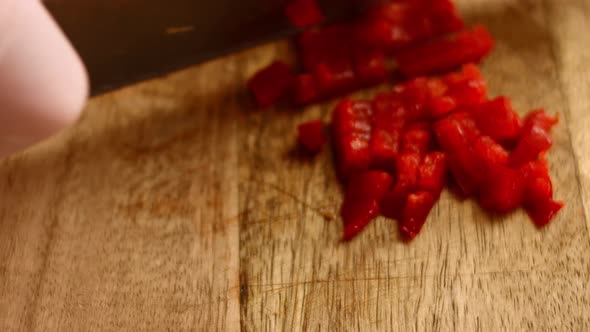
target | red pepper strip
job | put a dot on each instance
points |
(363, 192)
(388, 122)
(304, 13)
(502, 189)
(454, 134)
(336, 77)
(539, 203)
(416, 210)
(407, 166)
(456, 131)
(305, 89)
(351, 125)
(487, 152)
(312, 136)
(532, 143)
(325, 45)
(445, 54)
(433, 173)
(417, 141)
(361, 213)
(497, 119)
(370, 67)
(271, 83)
(397, 24)
(467, 87)
(541, 119)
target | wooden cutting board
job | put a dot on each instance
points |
(174, 205)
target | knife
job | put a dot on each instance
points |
(126, 41)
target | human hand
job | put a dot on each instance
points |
(43, 83)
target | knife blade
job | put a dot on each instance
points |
(126, 41)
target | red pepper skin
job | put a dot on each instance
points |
(385, 147)
(539, 202)
(456, 131)
(489, 153)
(432, 173)
(502, 189)
(271, 83)
(335, 78)
(541, 119)
(305, 89)
(531, 144)
(393, 202)
(352, 126)
(467, 87)
(388, 122)
(327, 45)
(312, 136)
(370, 67)
(417, 141)
(445, 54)
(363, 192)
(359, 216)
(497, 119)
(304, 13)
(416, 210)
(538, 198)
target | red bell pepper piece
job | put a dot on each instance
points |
(502, 189)
(327, 45)
(335, 77)
(445, 54)
(456, 131)
(497, 119)
(312, 136)
(271, 83)
(305, 89)
(466, 87)
(531, 144)
(489, 153)
(352, 126)
(393, 202)
(370, 67)
(304, 13)
(363, 192)
(416, 210)
(541, 119)
(432, 173)
(360, 215)
(539, 202)
(417, 141)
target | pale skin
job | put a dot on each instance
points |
(43, 83)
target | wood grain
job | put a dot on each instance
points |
(173, 205)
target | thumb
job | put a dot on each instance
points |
(43, 84)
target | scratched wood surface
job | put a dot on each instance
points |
(173, 205)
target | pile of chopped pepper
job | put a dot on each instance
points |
(396, 152)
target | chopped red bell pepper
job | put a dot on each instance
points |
(467, 46)
(271, 83)
(336, 77)
(417, 141)
(326, 45)
(352, 126)
(305, 89)
(370, 67)
(531, 144)
(416, 210)
(407, 168)
(502, 189)
(363, 193)
(304, 13)
(497, 119)
(312, 136)
(541, 119)
(432, 173)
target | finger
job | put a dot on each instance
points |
(43, 84)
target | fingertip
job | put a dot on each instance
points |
(44, 85)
